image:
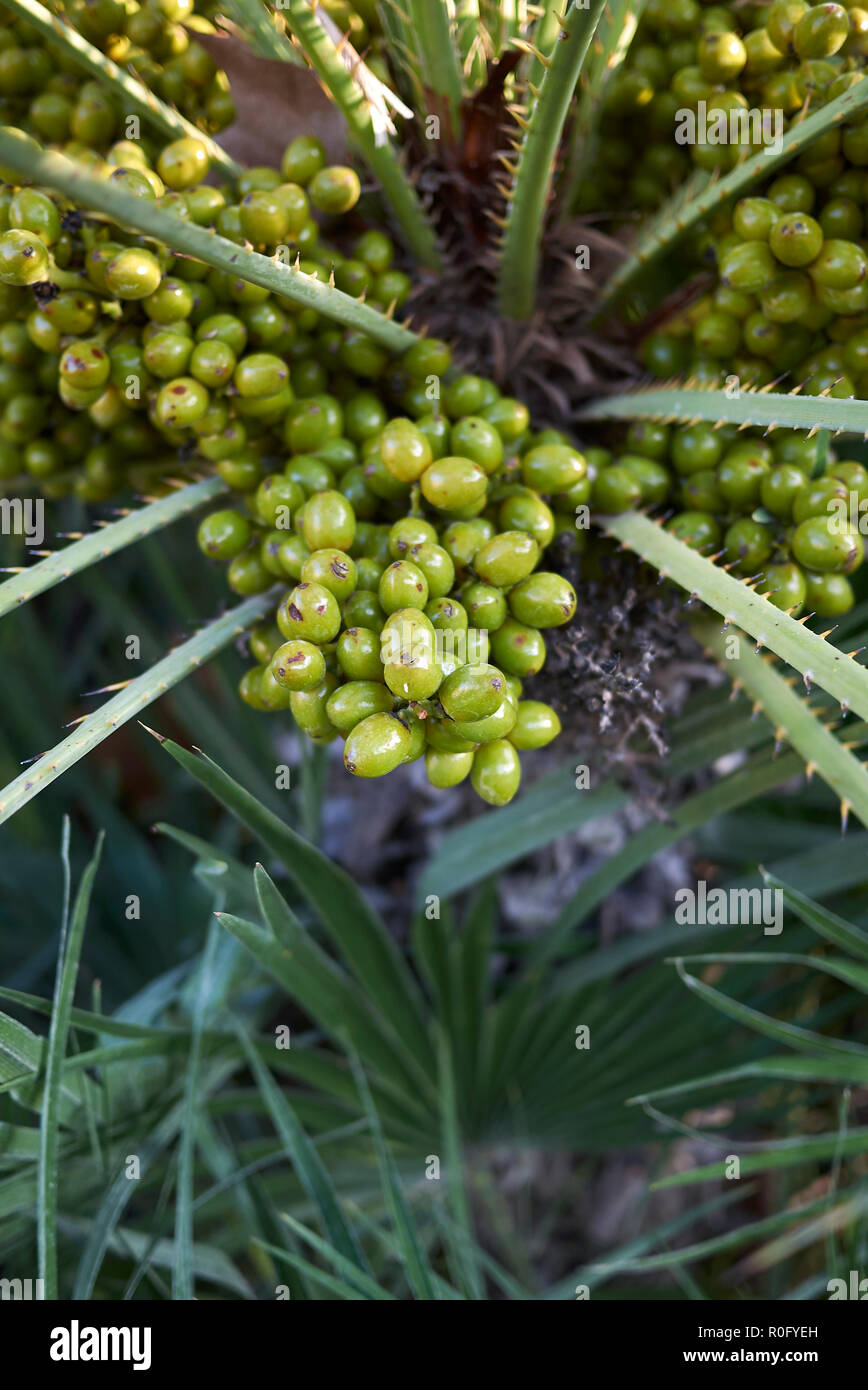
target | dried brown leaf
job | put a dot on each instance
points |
(275, 102)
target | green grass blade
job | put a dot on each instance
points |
(69, 956)
(357, 929)
(133, 96)
(790, 1034)
(785, 1153)
(828, 924)
(141, 692)
(818, 661)
(464, 1242)
(108, 540)
(355, 1280)
(790, 717)
(821, 1071)
(680, 216)
(379, 154)
(768, 409)
(305, 1159)
(288, 281)
(525, 222)
(255, 20)
(183, 1260)
(413, 1256)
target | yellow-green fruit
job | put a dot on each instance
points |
(506, 559)
(452, 483)
(543, 600)
(376, 746)
(472, 692)
(309, 708)
(447, 769)
(298, 665)
(495, 726)
(536, 725)
(357, 700)
(496, 772)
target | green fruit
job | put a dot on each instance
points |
(472, 692)
(526, 512)
(329, 521)
(436, 565)
(796, 239)
(494, 726)
(485, 605)
(785, 587)
(311, 613)
(543, 600)
(133, 274)
(817, 545)
(446, 770)
(536, 725)
(403, 585)
(507, 558)
(450, 483)
(23, 258)
(363, 610)
(357, 700)
(333, 570)
(828, 595)
(748, 544)
(616, 490)
(518, 650)
(223, 534)
(778, 489)
(496, 772)
(310, 709)
(298, 665)
(247, 574)
(335, 189)
(699, 530)
(358, 654)
(404, 450)
(552, 468)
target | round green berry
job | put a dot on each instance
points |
(298, 665)
(496, 772)
(543, 600)
(311, 613)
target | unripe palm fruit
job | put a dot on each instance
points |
(357, 700)
(405, 450)
(311, 613)
(518, 650)
(494, 726)
(358, 654)
(332, 569)
(543, 600)
(536, 725)
(496, 772)
(507, 558)
(403, 585)
(376, 746)
(329, 521)
(223, 534)
(446, 770)
(552, 468)
(298, 665)
(451, 483)
(472, 692)
(310, 709)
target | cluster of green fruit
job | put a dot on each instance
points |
(122, 358)
(44, 93)
(791, 299)
(782, 58)
(411, 567)
(772, 507)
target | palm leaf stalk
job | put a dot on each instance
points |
(818, 661)
(108, 540)
(525, 220)
(184, 238)
(746, 407)
(142, 691)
